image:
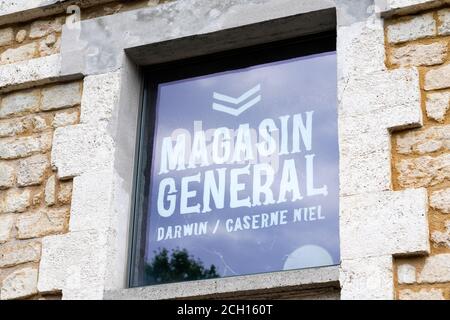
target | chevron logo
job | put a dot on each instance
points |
(240, 104)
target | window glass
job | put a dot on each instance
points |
(242, 173)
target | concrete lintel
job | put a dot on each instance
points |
(327, 277)
(98, 45)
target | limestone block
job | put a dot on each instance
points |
(80, 148)
(425, 171)
(418, 27)
(438, 78)
(61, 96)
(367, 279)
(15, 253)
(420, 54)
(7, 176)
(50, 191)
(6, 36)
(20, 283)
(6, 224)
(15, 126)
(427, 141)
(42, 223)
(19, 103)
(42, 28)
(406, 274)
(423, 294)
(15, 200)
(436, 269)
(74, 263)
(100, 95)
(385, 223)
(13, 148)
(63, 119)
(25, 52)
(437, 105)
(440, 200)
(31, 171)
(444, 25)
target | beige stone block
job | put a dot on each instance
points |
(426, 141)
(31, 171)
(424, 171)
(63, 119)
(6, 225)
(437, 105)
(440, 200)
(13, 148)
(61, 96)
(25, 52)
(7, 175)
(16, 126)
(42, 223)
(418, 27)
(19, 103)
(424, 294)
(438, 78)
(15, 200)
(436, 269)
(65, 192)
(6, 36)
(50, 191)
(15, 253)
(420, 54)
(42, 28)
(20, 283)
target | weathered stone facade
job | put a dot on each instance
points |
(421, 157)
(68, 114)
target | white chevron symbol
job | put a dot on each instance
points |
(237, 101)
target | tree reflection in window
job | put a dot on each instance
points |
(176, 266)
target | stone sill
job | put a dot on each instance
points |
(311, 280)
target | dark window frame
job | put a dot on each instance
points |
(154, 75)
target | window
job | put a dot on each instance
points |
(238, 164)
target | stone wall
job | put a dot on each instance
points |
(421, 157)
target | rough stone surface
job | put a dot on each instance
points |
(423, 294)
(32, 72)
(12, 148)
(42, 28)
(406, 274)
(11, 127)
(367, 278)
(444, 19)
(42, 223)
(417, 27)
(441, 239)
(420, 54)
(15, 253)
(385, 223)
(438, 78)
(440, 200)
(25, 52)
(100, 95)
(6, 224)
(63, 119)
(7, 176)
(80, 148)
(421, 142)
(31, 171)
(74, 263)
(424, 171)
(18, 103)
(65, 192)
(436, 269)
(21, 36)
(15, 201)
(6, 36)
(50, 191)
(91, 201)
(61, 96)
(19, 284)
(437, 105)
